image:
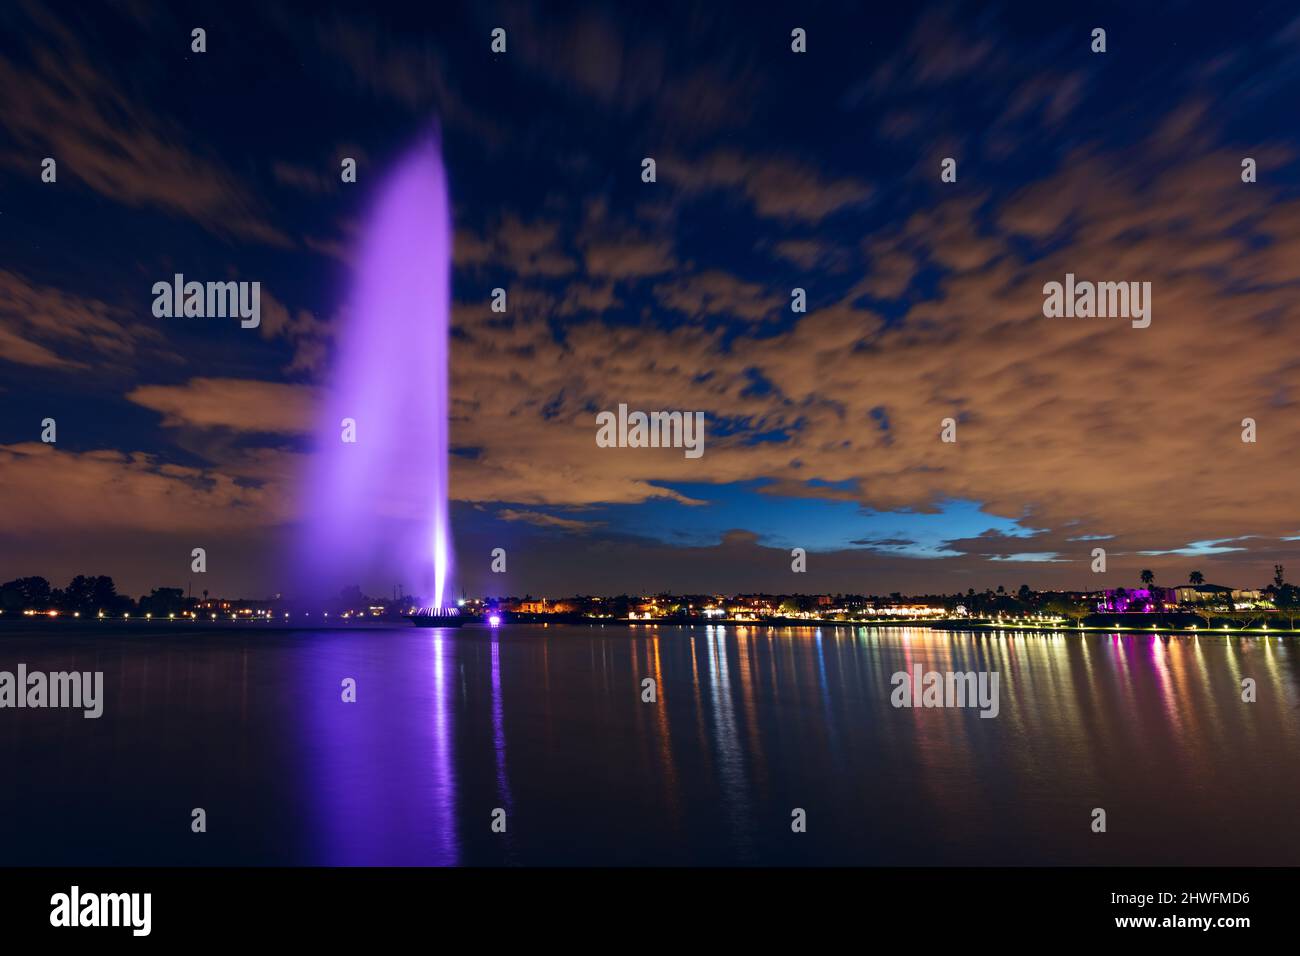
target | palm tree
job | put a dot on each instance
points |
(1196, 577)
(1148, 580)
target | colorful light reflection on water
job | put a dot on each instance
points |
(548, 724)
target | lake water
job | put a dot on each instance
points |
(548, 725)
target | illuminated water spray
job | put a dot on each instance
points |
(378, 497)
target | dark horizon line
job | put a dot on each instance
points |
(355, 594)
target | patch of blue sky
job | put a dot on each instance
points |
(1202, 548)
(814, 523)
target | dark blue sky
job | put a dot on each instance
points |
(776, 170)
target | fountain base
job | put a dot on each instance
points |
(437, 617)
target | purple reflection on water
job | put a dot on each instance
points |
(381, 791)
(442, 759)
(499, 730)
(377, 506)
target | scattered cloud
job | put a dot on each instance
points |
(111, 142)
(235, 404)
(542, 520)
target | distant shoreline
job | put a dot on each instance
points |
(86, 626)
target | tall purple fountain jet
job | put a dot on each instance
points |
(377, 496)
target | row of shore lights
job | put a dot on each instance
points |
(186, 614)
(148, 617)
(494, 620)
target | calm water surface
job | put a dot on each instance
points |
(547, 723)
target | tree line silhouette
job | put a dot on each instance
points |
(88, 594)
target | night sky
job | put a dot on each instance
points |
(775, 170)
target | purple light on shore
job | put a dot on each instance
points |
(494, 620)
(378, 512)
